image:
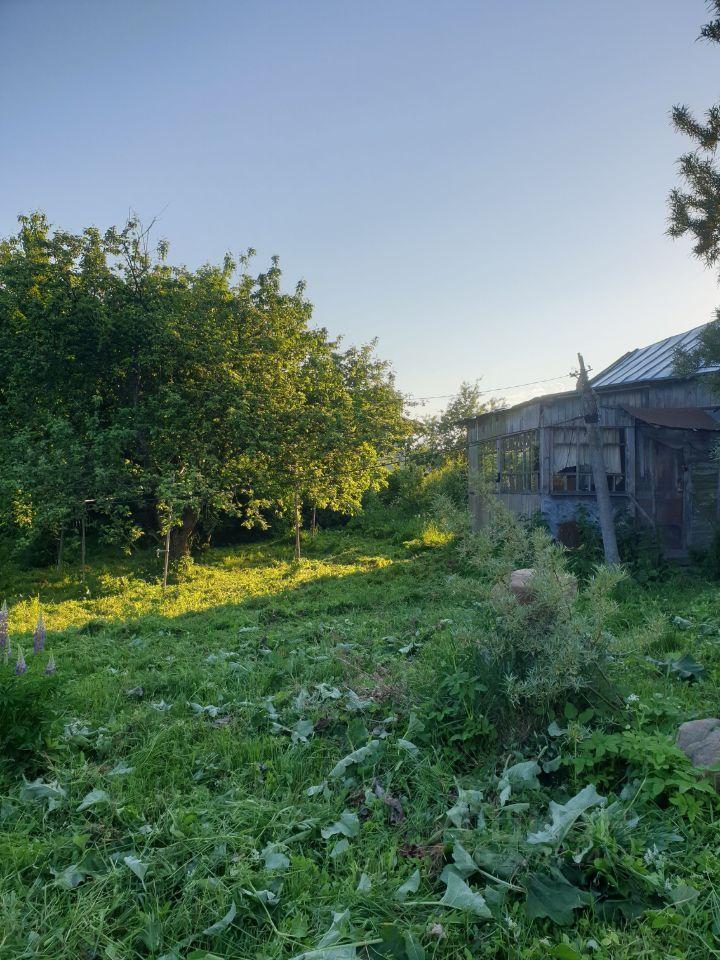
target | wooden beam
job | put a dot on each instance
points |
(597, 461)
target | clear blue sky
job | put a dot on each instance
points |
(481, 184)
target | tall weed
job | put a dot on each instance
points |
(554, 645)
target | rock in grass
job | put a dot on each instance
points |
(700, 741)
(521, 585)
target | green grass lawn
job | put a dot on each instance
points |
(275, 760)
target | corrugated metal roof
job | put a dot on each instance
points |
(655, 362)
(678, 418)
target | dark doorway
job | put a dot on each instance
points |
(668, 495)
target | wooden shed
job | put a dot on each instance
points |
(660, 433)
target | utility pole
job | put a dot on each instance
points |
(591, 415)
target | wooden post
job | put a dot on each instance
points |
(166, 563)
(60, 548)
(82, 546)
(597, 461)
(297, 526)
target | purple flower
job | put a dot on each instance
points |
(4, 626)
(50, 668)
(39, 636)
(20, 666)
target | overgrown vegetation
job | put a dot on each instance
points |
(138, 396)
(374, 753)
(381, 751)
(638, 545)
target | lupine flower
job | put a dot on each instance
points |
(39, 635)
(50, 668)
(4, 626)
(20, 666)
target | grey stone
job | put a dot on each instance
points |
(521, 586)
(700, 741)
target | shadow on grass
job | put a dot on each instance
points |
(256, 586)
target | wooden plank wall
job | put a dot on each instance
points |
(566, 409)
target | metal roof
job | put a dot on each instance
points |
(656, 362)
(678, 418)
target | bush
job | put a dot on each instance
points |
(637, 542)
(640, 549)
(449, 481)
(555, 644)
(410, 498)
(503, 544)
(27, 714)
(709, 560)
(542, 652)
(650, 763)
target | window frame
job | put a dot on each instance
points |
(580, 483)
(511, 462)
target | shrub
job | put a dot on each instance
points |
(555, 644)
(432, 535)
(541, 652)
(637, 542)
(501, 545)
(640, 549)
(584, 558)
(709, 560)
(411, 498)
(27, 712)
(530, 656)
(449, 481)
(650, 763)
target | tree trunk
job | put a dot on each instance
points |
(82, 547)
(182, 534)
(297, 526)
(313, 522)
(60, 548)
(597, 461)
(166, 556)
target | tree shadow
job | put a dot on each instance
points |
(266, 587)
(108, 576)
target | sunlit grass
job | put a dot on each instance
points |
(195, 695)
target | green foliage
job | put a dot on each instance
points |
(647, 763)
(455, 701)
(551, 895)
(694, 205)
(449, 481)
(27, 715)
(638, 546)
(431, 536)
(442, 437)
(503, 544)
(693, 210)
(139, 395)
(415, 499)
(553, 645)
(709, 560)
(267, 740)
(640, 550)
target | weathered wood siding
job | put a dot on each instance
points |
(699, 512)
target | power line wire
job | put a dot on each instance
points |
(512, 386)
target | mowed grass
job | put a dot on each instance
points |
(200, 734)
